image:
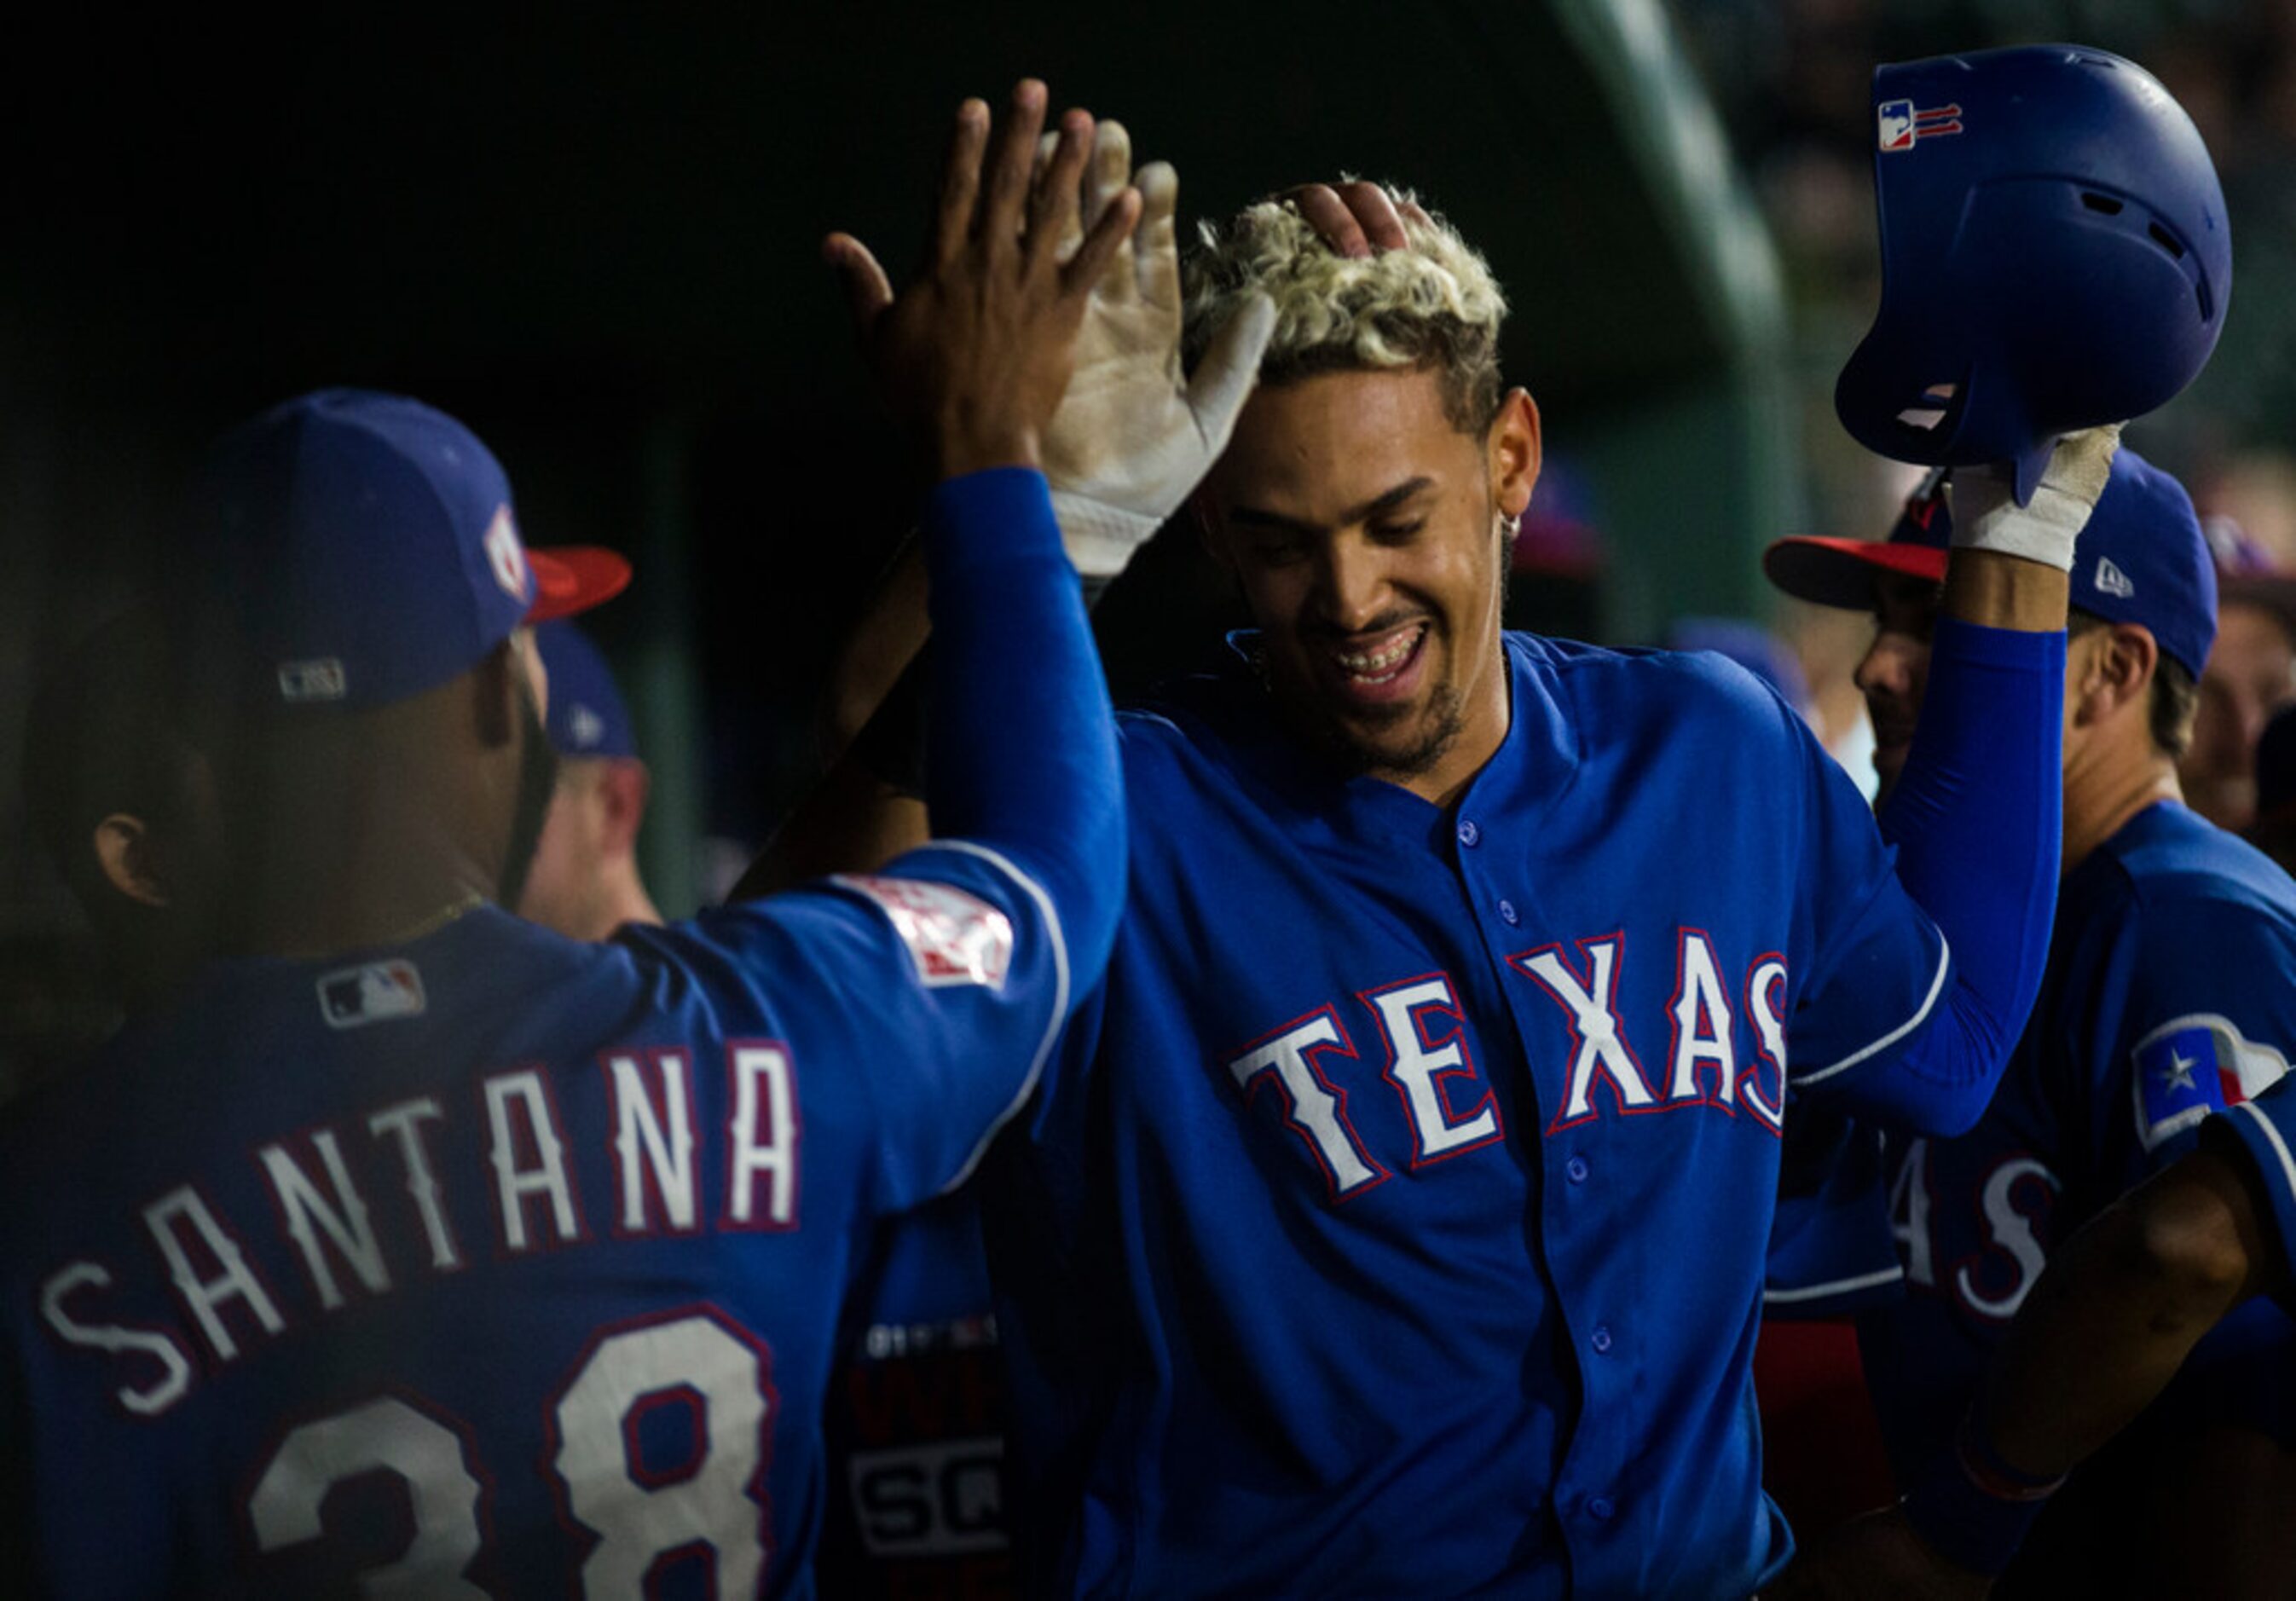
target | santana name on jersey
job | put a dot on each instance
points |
(327, 1183)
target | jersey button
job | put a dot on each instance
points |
(1600, 1509)
(1603, 1342)
(1469, 835)
(1577, 1170)
(1508, 914)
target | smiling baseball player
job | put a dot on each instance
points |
(1392, 1221)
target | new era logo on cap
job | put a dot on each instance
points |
(2112, 580)
(586, 727)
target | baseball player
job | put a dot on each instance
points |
(2123, 1304)
(1392, 1221)
(914, 1415)
(2165, 996)
(416, 1249)
(584, 882)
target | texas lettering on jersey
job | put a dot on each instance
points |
(359, 1204)
(1726, 1049)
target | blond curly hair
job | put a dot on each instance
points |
(1434, 305)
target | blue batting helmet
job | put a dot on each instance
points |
(2055, 255)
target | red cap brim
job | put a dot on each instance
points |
(569, 578)
(1840, 573)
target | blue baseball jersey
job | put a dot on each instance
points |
(1392, 1221)
(2166, 1000)
(916, 1422)
(495, 1262)
(2265, 1129)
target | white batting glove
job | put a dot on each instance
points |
(1134, 435)
(1986, 515)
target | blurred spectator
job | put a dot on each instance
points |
(2273, 832)
(2250, 674)
(1752, 647)
(1554, 572)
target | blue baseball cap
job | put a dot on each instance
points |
(350, 549)
(586, 715)
(2140, 559)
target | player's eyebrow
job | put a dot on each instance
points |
(1387, 501)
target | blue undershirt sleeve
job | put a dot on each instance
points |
(1021, 741)
(1978, 819)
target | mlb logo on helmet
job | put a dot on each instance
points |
(1901, 126)
(2192, 1066)
(376, 992)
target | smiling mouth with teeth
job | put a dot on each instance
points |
(1381, 665)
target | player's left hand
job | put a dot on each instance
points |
(1986, 515)
(1134, 435)
(1877, 1558)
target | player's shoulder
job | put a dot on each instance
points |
(1195, 721)
(1626, 685)
(2190, 881)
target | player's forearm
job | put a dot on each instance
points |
(1999, 591)
(1020, 740)
(2120, 1308)
(892, 631)
(1977, 819)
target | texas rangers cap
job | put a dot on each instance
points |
(350, 548)
(2140, 559)
(586, 715)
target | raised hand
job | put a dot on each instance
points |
(974, 355)
(1356, 217)
(1135, 434)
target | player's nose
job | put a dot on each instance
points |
(1351, 583)
(1887, 666)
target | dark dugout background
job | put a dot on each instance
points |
(592, 236)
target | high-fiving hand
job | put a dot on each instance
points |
(1135, 434)
(975, 354)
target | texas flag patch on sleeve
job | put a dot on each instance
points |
(2193, 1066)
(953, 937)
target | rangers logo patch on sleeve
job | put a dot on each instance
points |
(953, 937)
(2192, 1066)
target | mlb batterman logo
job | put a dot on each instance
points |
(1901, 127)
(374, 992)
(507, 556)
